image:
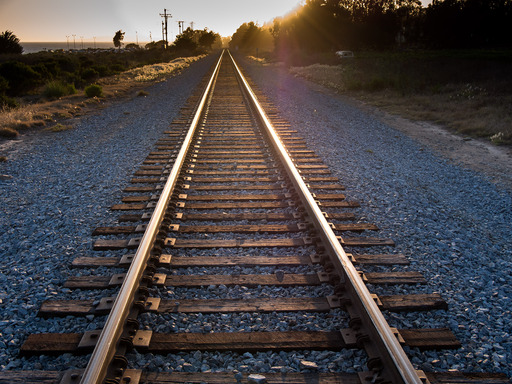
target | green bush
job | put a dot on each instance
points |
(56, 89)
(43, 71)
(71, 89)
(102, 70)
(90, 74)
(68, 63)
(8, 102)
(4, 85)
(94, 90)
(117, 68)
(21, 77)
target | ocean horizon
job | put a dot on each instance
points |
(33, 47)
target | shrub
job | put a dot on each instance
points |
(8, 102)
(42, 70)
(94, 90)
(117, 68)
(21, 77)
(4, 85)
(71, 89)
(90, 74)
(102, 70)
(56, 89)
(68, 63)
(51, 67)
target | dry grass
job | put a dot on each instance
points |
(59, 128)
(327, 75)
(486, 116)
(481, 107)
(22, 118)
(158, 71)
(8, 133)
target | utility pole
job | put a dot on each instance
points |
(74, 42)
(67, 40)
(165, 15)
(192, 25)
(163, 33)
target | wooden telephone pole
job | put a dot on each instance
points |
(165, 15)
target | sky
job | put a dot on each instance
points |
(98, 20)
(53, 20)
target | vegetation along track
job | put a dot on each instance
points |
(235, 223)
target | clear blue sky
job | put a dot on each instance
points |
(53, 20)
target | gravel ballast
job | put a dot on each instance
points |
(60, 186)
(452, 223)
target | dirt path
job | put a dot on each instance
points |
(493, 161)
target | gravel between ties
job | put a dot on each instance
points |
(452, 223)
(62, 187)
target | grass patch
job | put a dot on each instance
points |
(57, 89)
(3, 159)
(467, 92)
(58, 128)
(142, 93)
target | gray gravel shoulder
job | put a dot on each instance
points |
(453, 223)
(60, 187)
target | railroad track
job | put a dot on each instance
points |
(231, 223)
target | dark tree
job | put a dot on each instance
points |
(186, 41)
(118, 39)
(207, 38)
(469, 23)
(9, 43)
(249, 37)
(155, 45)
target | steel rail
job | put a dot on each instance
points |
(402, 370)
(105, 349)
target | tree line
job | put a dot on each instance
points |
(330, 25)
